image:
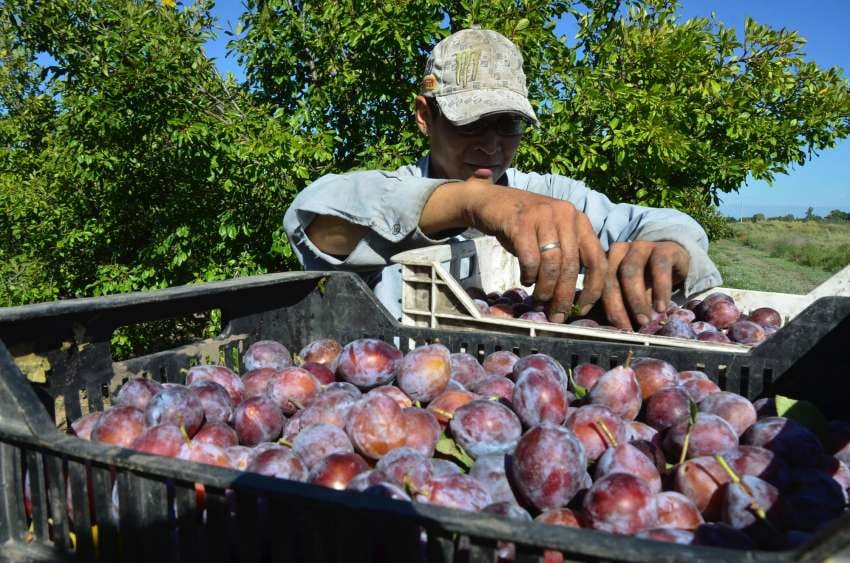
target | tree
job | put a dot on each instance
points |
(127, 162)
(641, 105)
(838, 215)
(810, 214)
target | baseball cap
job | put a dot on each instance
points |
(474, 73)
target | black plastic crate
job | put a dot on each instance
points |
(255, 518)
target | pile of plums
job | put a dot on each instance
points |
(714, 319)
(639, 449)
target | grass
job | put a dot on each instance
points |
(782, 256)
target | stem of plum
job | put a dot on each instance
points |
(285, 442)
(443, 413)
(629, 357)
(757, 509)
(411, 488)
(685, 445)
(185, 434)
(604, 427)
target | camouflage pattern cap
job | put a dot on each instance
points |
(475, 73)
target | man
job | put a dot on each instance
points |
(473, 108)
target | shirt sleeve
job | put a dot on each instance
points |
(389, 204)
(621, 222)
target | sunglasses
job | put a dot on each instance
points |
(503, 125)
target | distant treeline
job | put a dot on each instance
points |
(836, 215)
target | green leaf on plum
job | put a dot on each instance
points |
(449, 447)
(803, 412)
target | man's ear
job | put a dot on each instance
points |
(424, 118)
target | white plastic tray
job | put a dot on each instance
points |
(434, 282)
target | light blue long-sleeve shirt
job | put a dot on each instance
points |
(390, 204)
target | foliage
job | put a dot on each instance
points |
(126, 161)
(641, 105)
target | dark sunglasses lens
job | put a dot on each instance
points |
(510, 126)
(505, 126)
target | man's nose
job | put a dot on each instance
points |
(488, 143)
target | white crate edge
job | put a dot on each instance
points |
(492, 268)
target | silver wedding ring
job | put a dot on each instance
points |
(550, 246)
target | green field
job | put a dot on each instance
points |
(782, 256)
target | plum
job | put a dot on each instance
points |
(466, 370)
(787, 438)
(163, 439)
(544, 363)
(425, 371)
(618, 390)
(257, 420)
(292, 388)
(587, 422)
(734, 409)
(324, 351)
(626, 458)
(318, 441)
(280, 462)
(490, 470)
(621, 503)
(368, 362)
(667, 407)
(137, 392)
(500, 363)
(708, 435)
(485, 427)
(266, 354)
(219, 374)
(538, 397)
(321, 372)
(444, 405)
(548, 467)
(495, 386)
(456, 491)
(675, 510)
(337, 470)
(216, 433)
(766, 317)
(178, 405)
(375, 426)
(652, 374)
(746, 332)
(422, 430)
(215, 401)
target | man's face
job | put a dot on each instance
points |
(482, 149)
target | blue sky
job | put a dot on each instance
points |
(823, 182)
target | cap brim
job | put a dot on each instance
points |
(462, 108)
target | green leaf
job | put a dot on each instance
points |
(447, 446)
(521, 24)
(803, 412)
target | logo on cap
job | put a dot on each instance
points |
(466, 67)
(429, 83)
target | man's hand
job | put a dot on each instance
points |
(634, 268)
(528, 225)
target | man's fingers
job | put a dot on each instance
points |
(550, 260)
(596, 265)
(631, 275)
(612, 297)
(565, 289)
(661, 270)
